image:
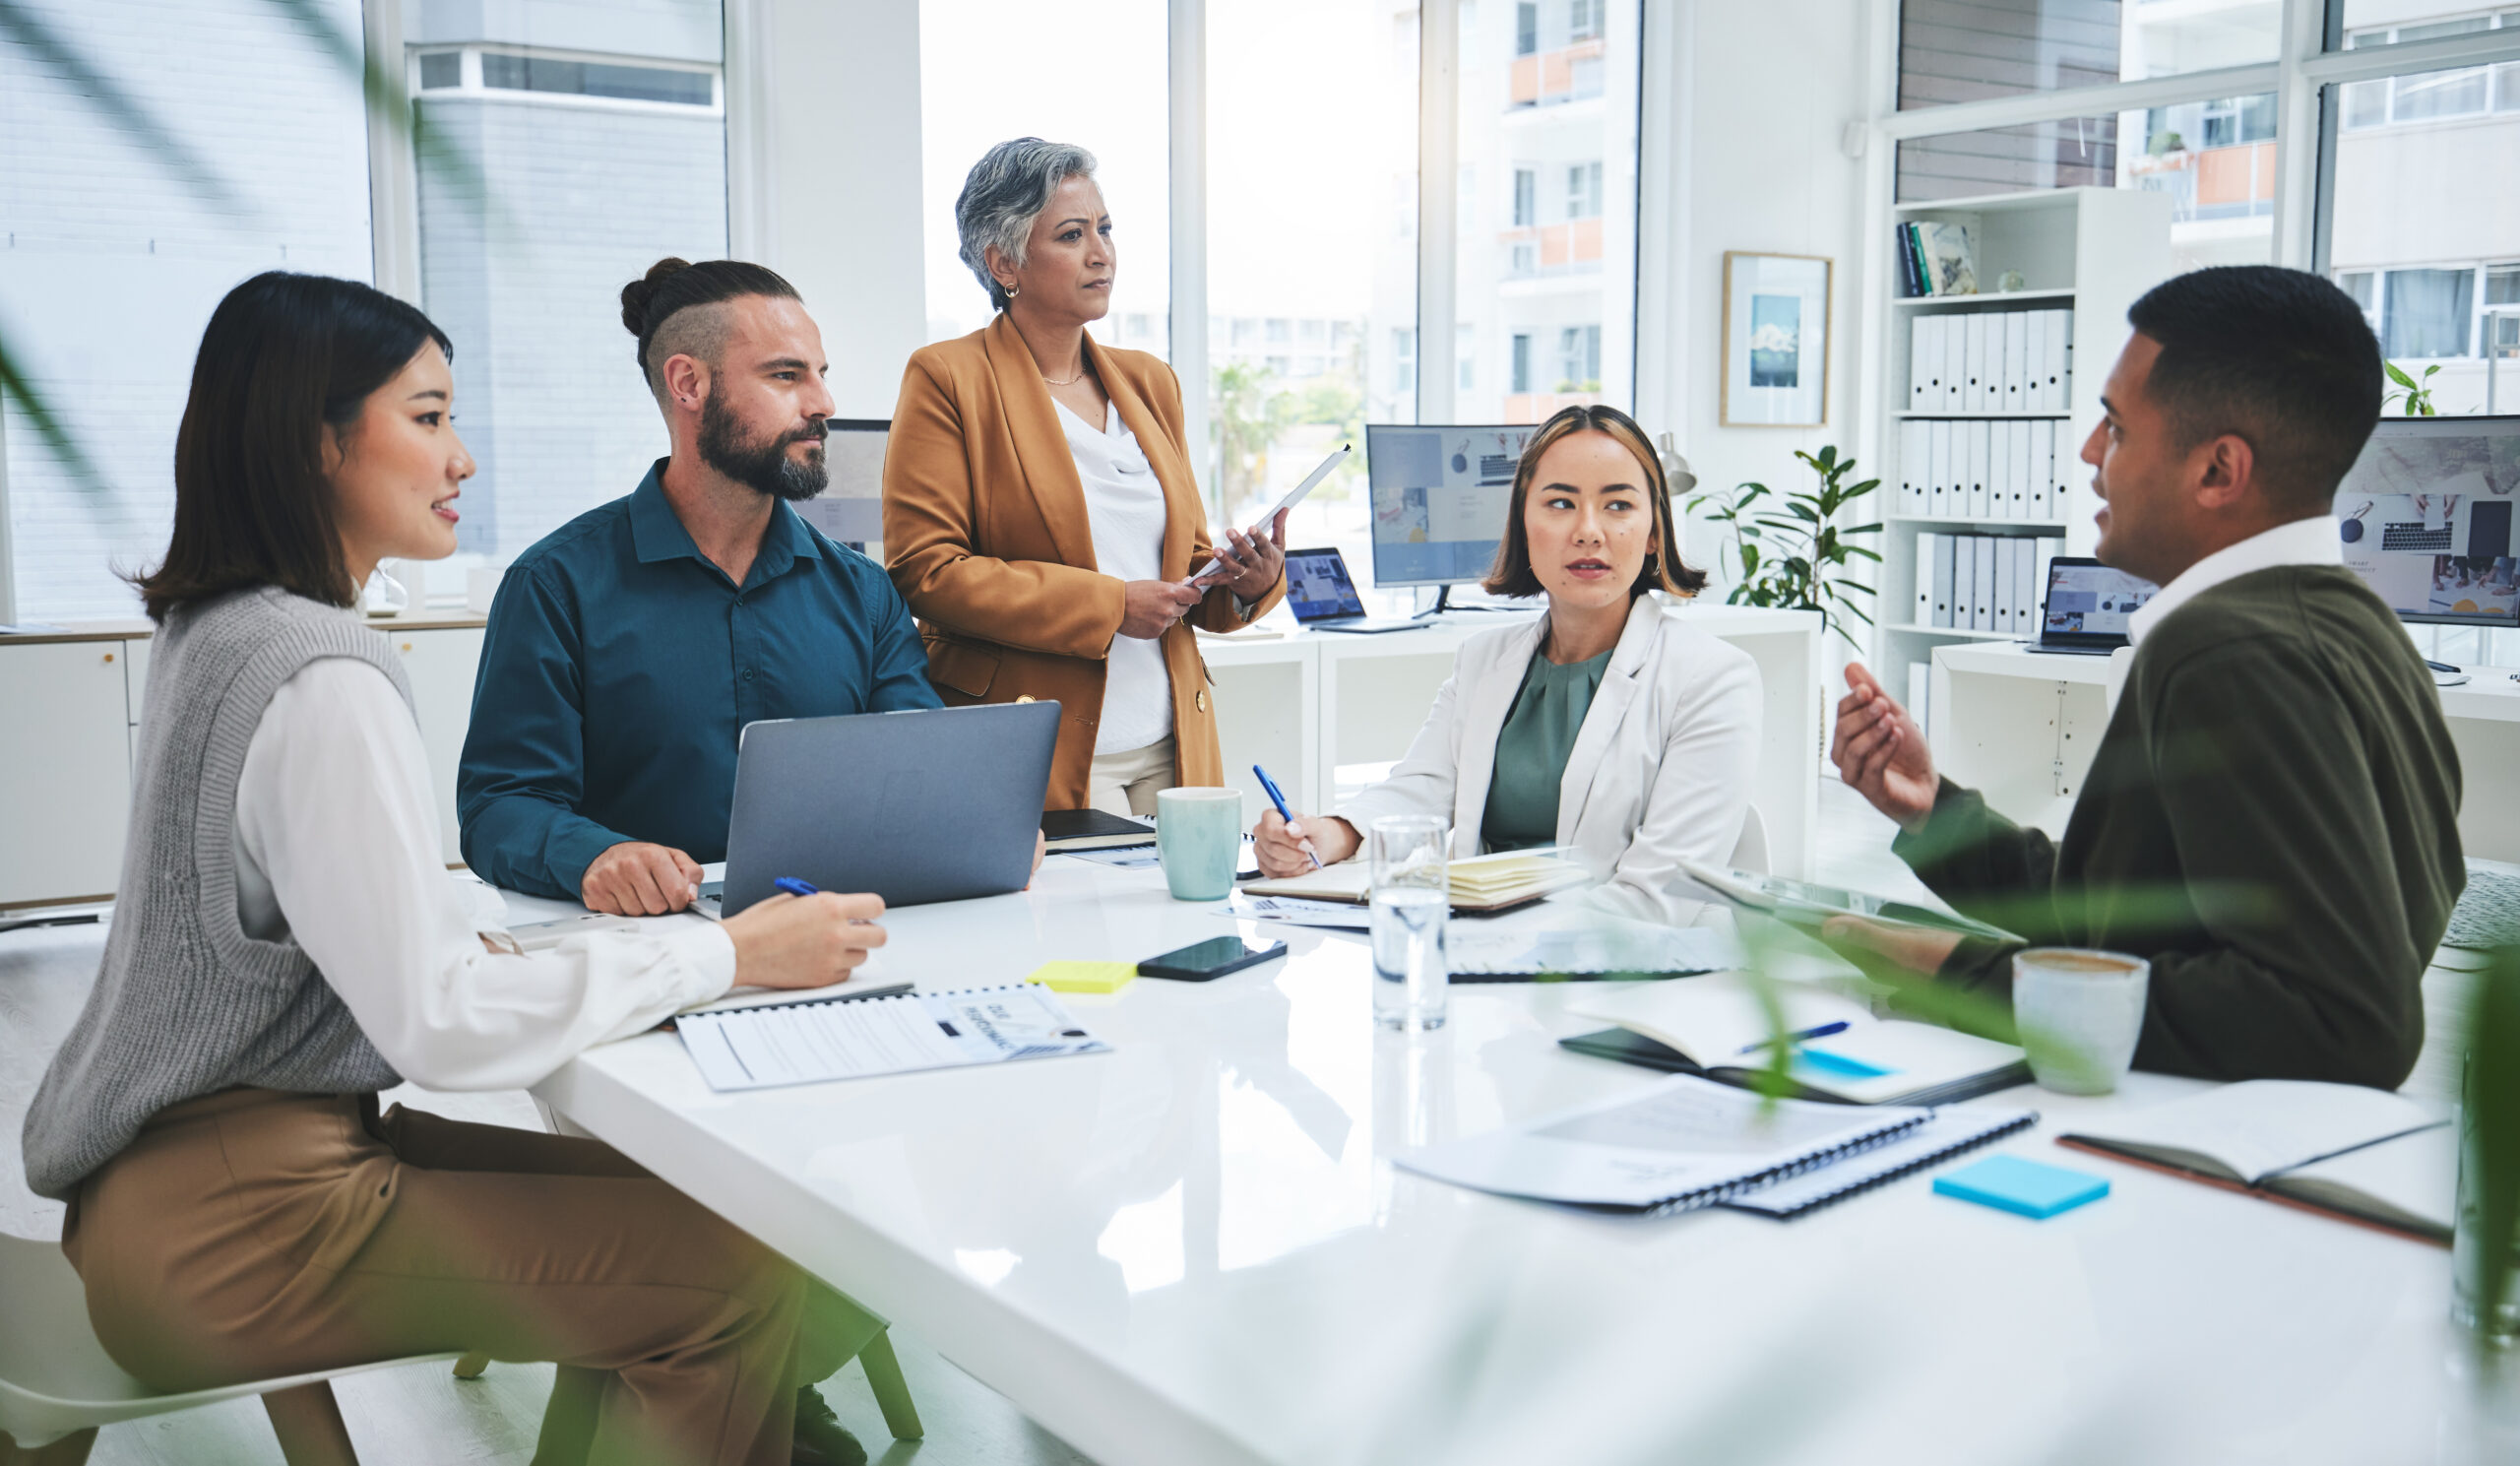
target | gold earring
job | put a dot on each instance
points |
(1010, 291)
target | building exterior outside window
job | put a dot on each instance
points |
(549, 175)
(1548, 101)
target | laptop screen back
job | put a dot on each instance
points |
(2088, 604)
(1318, 587)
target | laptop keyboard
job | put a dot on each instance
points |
(2415, 536)
(2489, 911)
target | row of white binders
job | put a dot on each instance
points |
(1986, 470)
(1991, 361)
(1984, 582)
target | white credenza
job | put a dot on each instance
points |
(2021, 728)
(1301, 704)
(72, 727)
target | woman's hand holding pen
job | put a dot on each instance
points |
(1278, 843)
(804, 941)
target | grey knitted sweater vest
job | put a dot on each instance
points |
(186, 1004)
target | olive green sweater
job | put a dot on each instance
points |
(2270, 818)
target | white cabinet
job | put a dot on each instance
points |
(70, 736)
(65, 769)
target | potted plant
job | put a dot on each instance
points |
(1788, 550)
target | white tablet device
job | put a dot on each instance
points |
(1214, 568)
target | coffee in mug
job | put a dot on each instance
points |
(2079, 1011)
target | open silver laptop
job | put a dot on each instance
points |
(934, 804)
(2086, 606)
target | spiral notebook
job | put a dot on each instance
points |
(1949, 1133)
(1684, 1143)
(843, 1038)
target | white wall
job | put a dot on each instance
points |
(1761, 96)
(840, 180)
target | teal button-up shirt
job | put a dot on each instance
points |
(621, 666)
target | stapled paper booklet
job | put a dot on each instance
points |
(855, 1038)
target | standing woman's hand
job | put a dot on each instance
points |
(1260, 561)
(1152, 605)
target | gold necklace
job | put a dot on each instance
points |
(1055, 382)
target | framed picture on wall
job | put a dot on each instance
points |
(1776, 341)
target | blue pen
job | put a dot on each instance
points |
(1821, 1032)
(795, 888)
(1270, 786)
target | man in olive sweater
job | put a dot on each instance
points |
(2271, 815)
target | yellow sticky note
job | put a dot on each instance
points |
(1084, 976)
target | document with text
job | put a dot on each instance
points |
(853, 1039)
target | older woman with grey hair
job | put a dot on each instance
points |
(1040, 514)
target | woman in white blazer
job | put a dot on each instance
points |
(1608, 727)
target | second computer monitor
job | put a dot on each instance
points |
(2430, 517)
(851, 509)
(1439, 499)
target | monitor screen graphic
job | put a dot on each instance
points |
(2425, 517)
(1440, 497)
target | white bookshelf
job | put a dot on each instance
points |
(2089, 250)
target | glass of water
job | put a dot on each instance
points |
(1412, 896)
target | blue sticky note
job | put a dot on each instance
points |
(1824, 1065)
(2011, 1183)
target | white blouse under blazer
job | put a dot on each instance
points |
(1660, 772)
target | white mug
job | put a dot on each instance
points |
(2080, 1012)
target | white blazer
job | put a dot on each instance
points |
(1660, 772)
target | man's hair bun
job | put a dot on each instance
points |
(673, 284)
(637, 294)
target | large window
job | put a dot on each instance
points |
(1546, 251)
(561, 152)
(990, 70)
(120, 236)
(2422, 227)
(1313, 234)
(2215, 159)
(1969, 50)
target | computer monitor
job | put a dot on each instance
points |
(2428, 519)
(851, 509)
(1439, 496)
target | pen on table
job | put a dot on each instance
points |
(1270, 787)
(1820, 1032)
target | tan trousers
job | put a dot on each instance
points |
(1126, 783)
(250, 1233)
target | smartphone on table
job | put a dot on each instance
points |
(1201, 961)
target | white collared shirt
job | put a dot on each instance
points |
(338, 849)
(2303, 542)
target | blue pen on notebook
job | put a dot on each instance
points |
(1820, 1032)
(1270, 786)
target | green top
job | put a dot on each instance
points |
(1532, 748)
(2271, 817)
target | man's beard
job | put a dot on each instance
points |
(762, 463)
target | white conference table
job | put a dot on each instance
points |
(1194, 1248)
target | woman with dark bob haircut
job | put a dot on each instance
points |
(287, 943)
(1607, 727)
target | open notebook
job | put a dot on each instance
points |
(1716, 1025)
(2363, 1155)
(1480, 883)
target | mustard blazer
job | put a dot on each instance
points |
(986, 529)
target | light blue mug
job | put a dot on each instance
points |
(1198, 833)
